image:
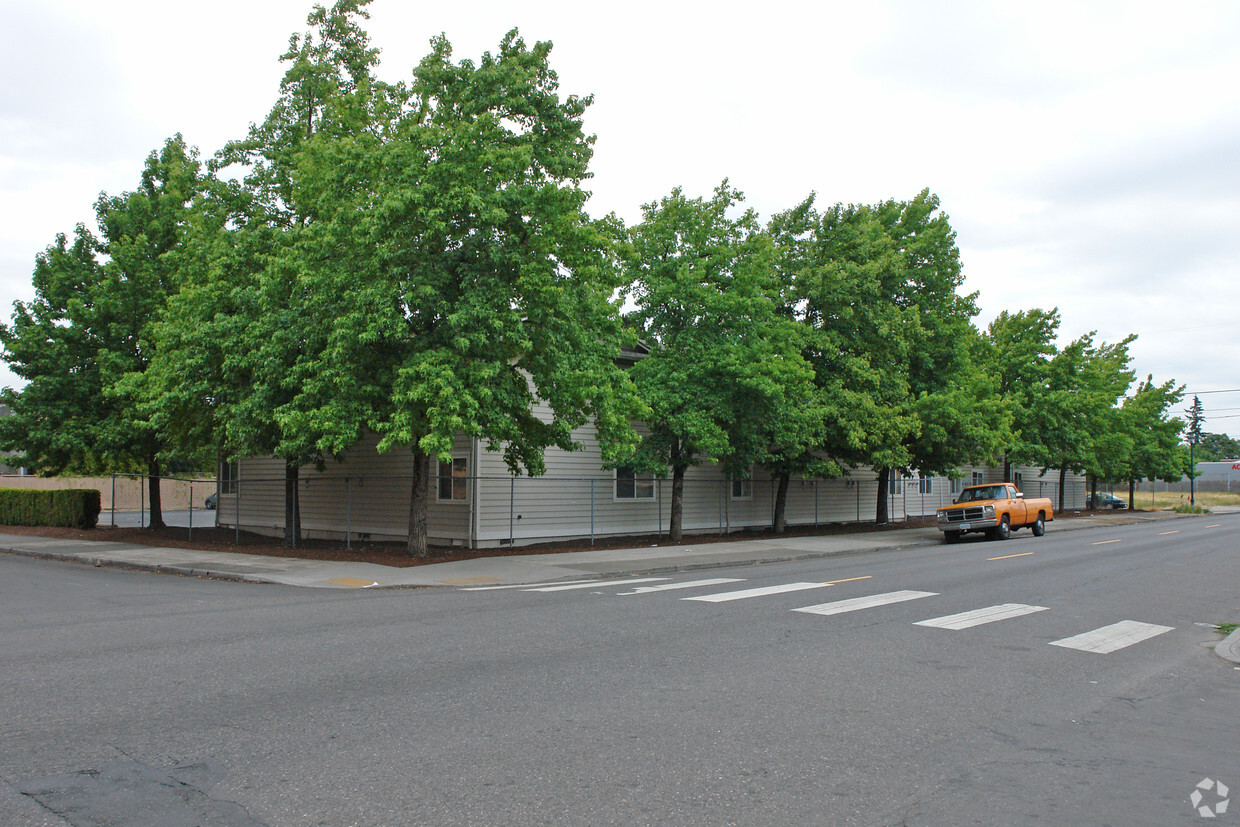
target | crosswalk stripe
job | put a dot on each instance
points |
(1113, 637)
(692, 584)
(858, 603)
(596, 584)
(526, 586)
(977, 617)
(722, 597)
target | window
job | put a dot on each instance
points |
(631, 485)
(895, 485)
(957, 485)
(1018, 479)
(229, 474)
(977, 478)
(742, 488)
(453, 480)
(925, 485)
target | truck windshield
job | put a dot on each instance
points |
(985, 492)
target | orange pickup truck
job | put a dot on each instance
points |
(997, 509)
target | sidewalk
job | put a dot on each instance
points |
(502, 570)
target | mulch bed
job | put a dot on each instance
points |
(393, 554)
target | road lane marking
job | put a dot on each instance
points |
(977, 617)
(1112, 638)
(595, 584)
(847, 580)
(1010, 556)
(1165, 533)
(722, 597)
(1105, 542)
(716, 581)
(522, 586)
(859, 603)
(1215, 525)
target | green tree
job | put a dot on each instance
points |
(1154, 432)
(1217, 448)
(887, 303)
(1093, 435)
(235, 339)
(89, 330)
(725, 379)
(454, 278)
(1022, 345)
(859, 357)
(53, 344)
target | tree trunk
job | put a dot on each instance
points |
(1093, 493)
(781, 500)
(152, 479)
(417, 546)
(292, 505)
(880, 507)
(676, 520)
(1007, 470)
(1132, 495)
(1063, 482)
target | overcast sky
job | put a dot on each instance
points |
(1086, 152)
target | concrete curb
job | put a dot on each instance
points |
(92, 559)
(1229, 647)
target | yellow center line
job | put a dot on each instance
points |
(849, 580)
(1216, 525)
(1164, 533)
(1010, 556)
(1105, 542)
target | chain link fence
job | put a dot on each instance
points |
(492, 511)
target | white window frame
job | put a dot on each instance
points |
(895, 485)
(977, 478)
(925, 485)
(230, 473)
(957, 485)
(642, 482)
(741, 488)
(1018, 479)
(457, 483)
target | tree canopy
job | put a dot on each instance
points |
(416, 259)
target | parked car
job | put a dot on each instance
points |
(1104, 500)
(997, 510)
(213, 499)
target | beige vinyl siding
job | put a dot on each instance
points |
(573, 499)
(367, 495)
(576, 499)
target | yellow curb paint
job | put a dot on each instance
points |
(849, 580)
(352, 582)
(1106, 542)
(1010, 556)
(464, 581)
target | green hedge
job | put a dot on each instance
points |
(70, 508)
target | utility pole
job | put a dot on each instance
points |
(1194, 436)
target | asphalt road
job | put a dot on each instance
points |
(133, 698)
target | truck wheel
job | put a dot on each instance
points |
(1003, 530)
(1039, 527)
(951, 536)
